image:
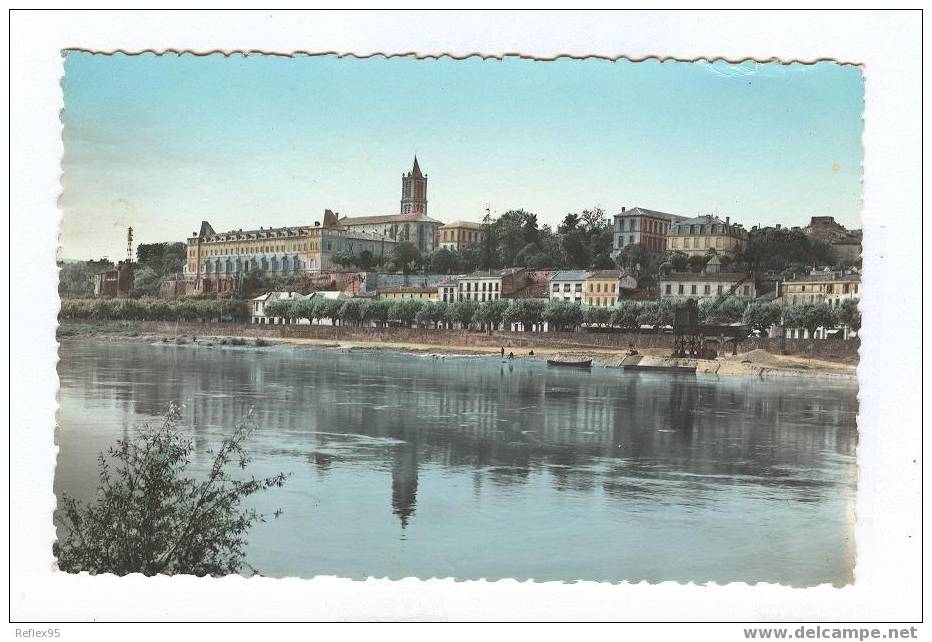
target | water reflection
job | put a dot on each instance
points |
(516, 436)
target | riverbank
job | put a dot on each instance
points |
(755, 362)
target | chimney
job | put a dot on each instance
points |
(622, 209)
(727, 220)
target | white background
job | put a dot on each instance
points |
(887, 585)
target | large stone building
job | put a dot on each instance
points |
(696, 236)
(643, 227)
(216, 259)
(412, 224)
(416, 228)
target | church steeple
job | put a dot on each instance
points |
(414, 190)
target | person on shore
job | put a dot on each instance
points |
(531, 353)
(511, 355)
(503, 352)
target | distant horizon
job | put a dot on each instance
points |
(161, 143)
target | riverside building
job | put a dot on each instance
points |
(602, 288)
(825, 286)
(567, 285)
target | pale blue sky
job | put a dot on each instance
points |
(163, 142)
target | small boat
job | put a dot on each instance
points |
(567, 363)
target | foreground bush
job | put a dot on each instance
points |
(151, 517)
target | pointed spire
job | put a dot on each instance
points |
(416, 170)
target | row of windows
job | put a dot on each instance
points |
(450, 296)
(650, 225)
(230, 266)
(829, 288)
(813, 298)
(601, 300)
(408, 295)
(566, 287)
(460, 236)
(252, 249)
(706, 289)
(701, 242)
(693, 230)
(602, 287)
(469, 287)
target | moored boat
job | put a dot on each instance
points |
(570, 363)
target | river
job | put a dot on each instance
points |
(468, 467)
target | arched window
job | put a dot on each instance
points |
(286, 264)
(207, 267)
(274, 264)
(265, 264)
(238, 266)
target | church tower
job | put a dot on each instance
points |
(414, 191)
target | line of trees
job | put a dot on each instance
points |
(489, 316)
(558, 315)
(153, 309)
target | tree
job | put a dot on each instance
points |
(576, 249)
(405, 254)
(777, 249)
(76, 278)
(562, 315)
(656, 314)
(163, 258)
(697, 262)
(146, 281)
(442, 261)
(570, 223)
(378, 312)
(423, 317)
(365, 260)
(625, 315)
(510, 231)
(151, 517)
(404, 310)
(598, 315)
(353, 311)
(761, 316)
(527, 312)
(810, 316)
(600, 249)
(462, 312)
(721, 309)
(594, 220)
(531, 231)
(328, 309)
(849, 314)
(491, 313)
(281, 308)
(679, 261)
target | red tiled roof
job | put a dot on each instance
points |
(414, 217)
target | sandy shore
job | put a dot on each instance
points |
(756, 363)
